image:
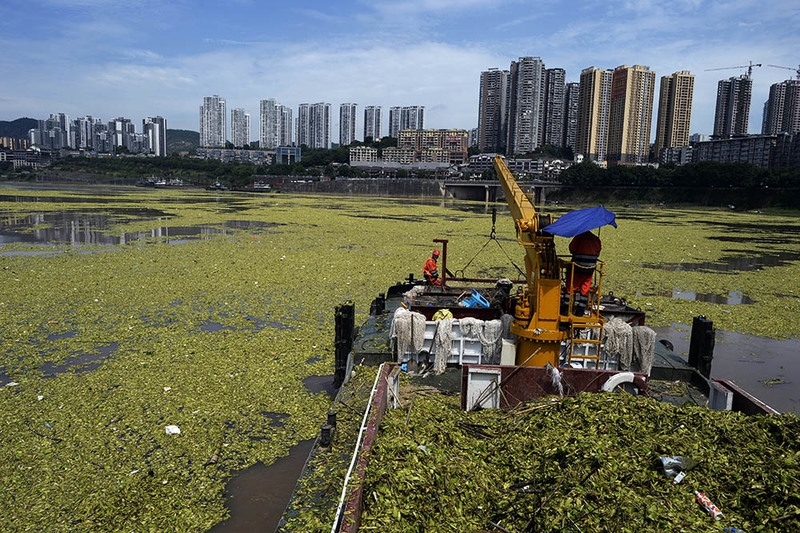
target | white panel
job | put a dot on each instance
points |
(483, 384)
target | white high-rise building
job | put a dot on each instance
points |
(268, 125)
(155, 130)
(412, 118)
(284, 116)
(121, 131)
(85, 131)
(314, 125)
(372, 122)
(347, 123)
(213, 122)
(240, 127)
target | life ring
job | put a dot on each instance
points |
(623, 378)
(668, 345)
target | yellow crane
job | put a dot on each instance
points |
(543, 324)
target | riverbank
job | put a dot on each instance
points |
(735, 198)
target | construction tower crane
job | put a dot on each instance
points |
(748, 67)
(795, 97)
(796, 70)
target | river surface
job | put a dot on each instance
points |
(767, 368)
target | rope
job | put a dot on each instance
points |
(492, 238)
(507, 319)
(489, 334)
(409, 327)
(644, 346)
(491, 339)
(443, 342)
(619, 341)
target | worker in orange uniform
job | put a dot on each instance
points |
(585, 249)
(430, 270)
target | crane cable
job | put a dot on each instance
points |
(492, 237)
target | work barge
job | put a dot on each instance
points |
(546, 340)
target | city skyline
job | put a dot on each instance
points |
(99, 58)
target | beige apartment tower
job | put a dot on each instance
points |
(594, 100)
(632, 90)
(674, 111)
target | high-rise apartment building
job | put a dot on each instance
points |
(240, 127)
(782, 108)
(554, 101)
(493, 110)
(85, 130)
(213, 122)
(674, 111)
(372, 122)
(733, 107)
(571, 94)
(53, 132)
(630, 120)
(314, 125)
(121, 131)
(267, 124)
(412, 117)
(347, 124)
(274, 125)
(394, 121)
(155, 130)
(526, 105)
(284, 116)
(594, 107)
(406, 118)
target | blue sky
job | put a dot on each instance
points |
(161, 57)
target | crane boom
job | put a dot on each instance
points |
(795, 69)
(749, 68)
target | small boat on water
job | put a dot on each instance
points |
(496, 348)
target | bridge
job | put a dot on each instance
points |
(490, 191)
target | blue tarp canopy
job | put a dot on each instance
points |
(580, 220)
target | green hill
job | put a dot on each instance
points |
(17, 129)
(182, 141)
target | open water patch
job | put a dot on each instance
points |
(317, 384)
(732, 298)
(258, 324)
(257, 496)
(84, 362)
(737, 263)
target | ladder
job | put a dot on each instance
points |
(585, 340)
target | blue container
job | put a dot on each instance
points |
(475, 300)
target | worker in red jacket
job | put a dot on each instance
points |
(585, 249)
(430, 270)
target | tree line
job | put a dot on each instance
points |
(705, 174)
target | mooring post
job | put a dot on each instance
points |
(343, 343)
(701, 345)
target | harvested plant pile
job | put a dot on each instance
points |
(589, 463)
